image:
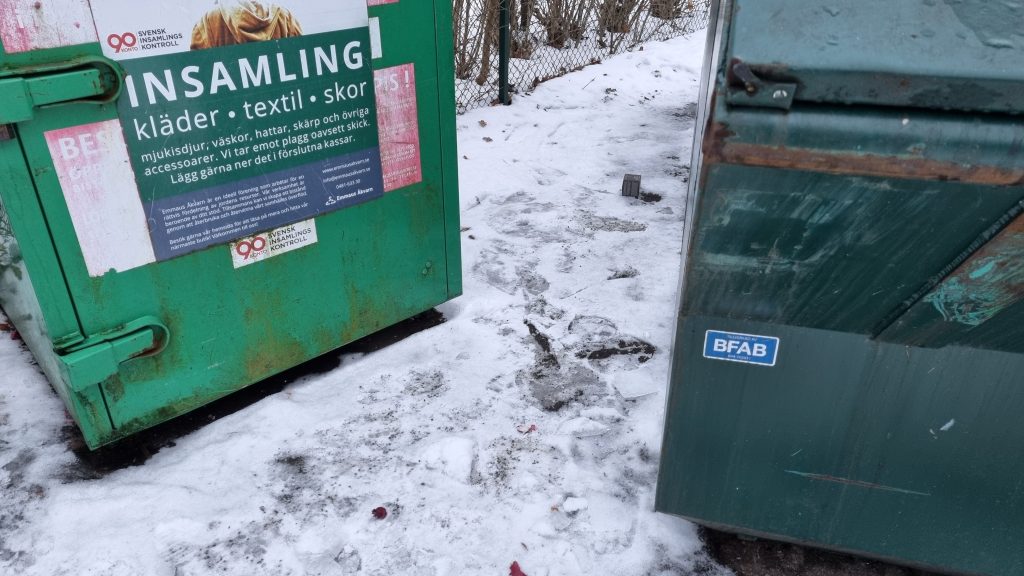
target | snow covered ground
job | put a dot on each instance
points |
(526, 428)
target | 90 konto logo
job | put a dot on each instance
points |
(123, 42)
(250, 248)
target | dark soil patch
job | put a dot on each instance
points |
(642, 350)
(555, 404)
(547, 358)
(629, 272)
(768, 558)
(295, 462)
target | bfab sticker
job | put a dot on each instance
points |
(745, 348)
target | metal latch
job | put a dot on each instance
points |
(95, 80)
(97, 358)
(747, 89)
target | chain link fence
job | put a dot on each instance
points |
(549, 38)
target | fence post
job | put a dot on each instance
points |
(504, 26)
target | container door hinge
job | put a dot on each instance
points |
(95, 81)
(747, 89)
(99, 357)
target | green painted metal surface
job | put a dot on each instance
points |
(942, 54)
(127, 350)
(880, 240)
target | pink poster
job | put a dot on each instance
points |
(99, 188)
(30, 25)
(398, 125)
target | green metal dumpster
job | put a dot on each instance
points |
(848, 368)
(198, 194)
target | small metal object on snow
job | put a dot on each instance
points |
(631, 185)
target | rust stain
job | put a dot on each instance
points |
(364, 316)
(275, 355)
(113, 388)
(162, 414)
(715, 140)
(858, 483)
(325, 338)
(272, 348)
(719, 150)
(715, 136)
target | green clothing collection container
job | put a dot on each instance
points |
(196, 195)
(848, 367)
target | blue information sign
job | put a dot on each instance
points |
(746, 348)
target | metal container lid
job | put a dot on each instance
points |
(963, 55)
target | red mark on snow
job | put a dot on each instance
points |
(380, 513)
(524, 429)
(515, 570)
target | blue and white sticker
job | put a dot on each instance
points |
(745, 348)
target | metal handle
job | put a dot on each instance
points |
(96, 80)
